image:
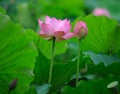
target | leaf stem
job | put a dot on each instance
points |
(51, 64)
(78, 64)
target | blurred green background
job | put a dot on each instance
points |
(101, 50)
(27, 12)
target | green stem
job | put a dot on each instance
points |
(78, 64)
(51, 64)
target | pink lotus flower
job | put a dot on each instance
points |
(80, 29)
(101, 11)
(60, 29)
